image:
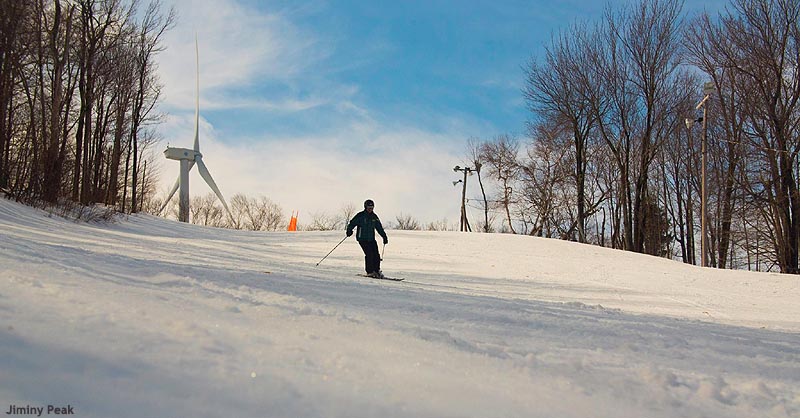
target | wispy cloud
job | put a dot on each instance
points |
(238, 46)
(406, 171)
(348, 153)
(223, 102)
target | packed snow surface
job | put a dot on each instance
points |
(147, 317)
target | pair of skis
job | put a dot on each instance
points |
(394, 279)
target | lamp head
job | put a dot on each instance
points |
(691, 122)
(709, 88)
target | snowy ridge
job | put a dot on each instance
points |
(152, 318)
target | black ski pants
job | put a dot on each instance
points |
(372, 260)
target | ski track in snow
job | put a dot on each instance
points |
(150, 317)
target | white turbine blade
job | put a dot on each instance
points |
(210, 181)
(171, 193)
(197, 97)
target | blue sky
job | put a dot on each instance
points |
(320, 104)
(421, 62)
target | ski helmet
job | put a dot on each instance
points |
(368, 202)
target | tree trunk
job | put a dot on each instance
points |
(580, 180)
(112, 194)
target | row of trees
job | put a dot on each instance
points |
(247, 213)
(261, 214)
(611, 160)
(77, 95)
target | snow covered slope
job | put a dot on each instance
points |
(153, 318)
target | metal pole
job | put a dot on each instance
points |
(183, 201)
(329, 253)
(704, 192)
(464, 222)
(463, 203)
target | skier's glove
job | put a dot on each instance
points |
(349, 232)
(385, 241)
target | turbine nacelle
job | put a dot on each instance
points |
(181, 154)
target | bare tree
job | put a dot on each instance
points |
(205, 210)
(636, 57)
(97, 23)
(759, 42)
(729, 118)
(55, 144)
(13, 15)
(239, 206)
(561, 89)
(680, 177)
(148, 43)
(475, 155)
(347, 212)
(273, 214)
(440, 225)
(544, 175)
(321, 221)
(264, 214)
(500, 156)
(64, 93)
(407, 223)
(123, 83)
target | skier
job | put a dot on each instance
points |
(366, 222)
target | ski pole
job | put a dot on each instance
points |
(382, 251)
(326, 255)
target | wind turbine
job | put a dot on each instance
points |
(190, 157)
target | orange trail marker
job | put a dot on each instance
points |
(293, 222)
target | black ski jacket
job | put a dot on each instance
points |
(366, 224)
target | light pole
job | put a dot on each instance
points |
(464, 222)
(708, 89)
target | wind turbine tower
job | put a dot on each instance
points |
(188, 158)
